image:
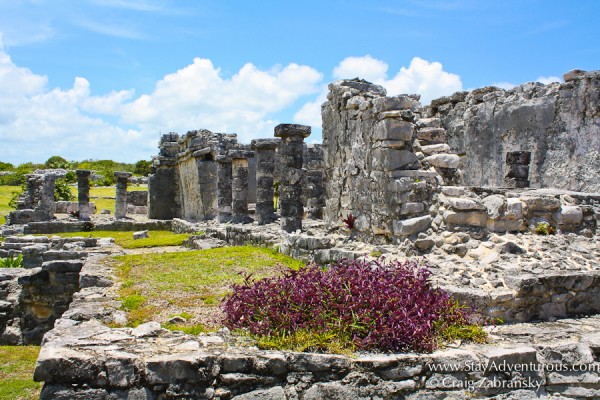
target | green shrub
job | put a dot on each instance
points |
(544, 228)
(12, 262)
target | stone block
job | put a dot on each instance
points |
(411, 208)
(506, 225)
(432, 135)
(496, 205)
(469, 218)
(465, 204)
(454, 191)
(514, 208)
(435, 149)
(383, 104)
(140, 235)
(392, 159)
(443, 160)
(545, 203)
(573, 74)
(412, 226)
(393, 129)
(570, 215)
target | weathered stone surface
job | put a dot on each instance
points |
(411, 226)
(443, 160)
(393, 129)
(551, 122)
(140, 235)
(392, 159)
(570, 215)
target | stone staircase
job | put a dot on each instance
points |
(431, 139)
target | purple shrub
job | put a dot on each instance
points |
(378, 305)
(349, 221)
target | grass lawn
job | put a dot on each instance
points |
(125, 239)
(5, 196)
(16, 371)
(156, 287)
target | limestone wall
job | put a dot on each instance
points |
(34, 297)
(558, 123)
(372, 170)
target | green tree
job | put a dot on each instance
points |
(142, 167)
(57, 162)
(6, 166)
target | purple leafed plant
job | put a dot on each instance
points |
(349, 221)
(376, 305)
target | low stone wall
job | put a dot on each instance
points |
(82, 358)
(32, 298)
(499, 210)
(67, 207)
(78, 226)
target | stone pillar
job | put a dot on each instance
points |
(265, 166)
(290, 188)
(239, 186)
(224, 188)
(46, 205)
(121, 196)
(83, 196)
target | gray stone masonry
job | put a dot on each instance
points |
(313, 191)
(265, 167)
(517, 165)
(290, 197)
(83, 193)
(558, 123)
(121, 195)
(224, 198)
(37, 203)
(239, 186)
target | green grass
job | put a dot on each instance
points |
(125, 239)
(16, 371)
(6, 193)
(191, 281)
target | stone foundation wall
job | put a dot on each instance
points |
(34, 297)
(559, 124)
(498, 210)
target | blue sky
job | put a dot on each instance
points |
(104, 78)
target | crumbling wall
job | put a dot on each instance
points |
(371, 167)
(558, 123)
(32, 298)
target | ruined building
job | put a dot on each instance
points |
(401, 169)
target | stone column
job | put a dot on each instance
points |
(83, 196)
(239, 186)
(265, 166)
(224, 183)
(46, 205)
(290, 187)
(121, 196)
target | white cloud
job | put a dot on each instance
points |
(504, 85)
(548, 79)
(367, 67)
(197, 96)
(422, 77)
(37, 122)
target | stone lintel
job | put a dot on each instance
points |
(289, 130)
(265, 144)
(202, 152)
(83, 172)
(122, 175)
(240, 154)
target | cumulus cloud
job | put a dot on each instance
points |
(422, 77)
(37, 122)
(197, 96)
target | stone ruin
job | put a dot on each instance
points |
(461, 182)
(210, 176)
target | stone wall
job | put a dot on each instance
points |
(83, 358)
(34, 297)
(559, 124)
(372, 170)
